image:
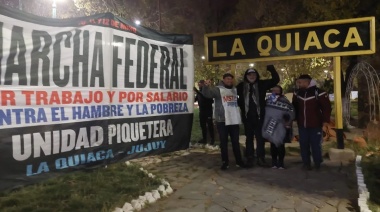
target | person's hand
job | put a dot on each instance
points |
(195, 89)
(207, 82)
(326, 124)
(271, 68)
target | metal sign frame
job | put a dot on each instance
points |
(256, 34)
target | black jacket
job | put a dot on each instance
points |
(263, 86)
(204, 103)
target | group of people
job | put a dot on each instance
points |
(265, 118)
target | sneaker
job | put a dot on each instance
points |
(274, 164)
(281, 165)
(224, 166)
(241, 165)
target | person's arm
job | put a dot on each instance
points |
(292, 112)
(270, 83)
(209, 91)
(325, 106)
(240, 93)
(288, 116)
(196, 94)
(196, 90)
(295, 105)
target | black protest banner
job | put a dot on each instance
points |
(84, 92)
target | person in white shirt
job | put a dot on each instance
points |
(227, 117)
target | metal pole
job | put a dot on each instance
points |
(233, 69)
(338, 102)
(54, 13)
(20, 4)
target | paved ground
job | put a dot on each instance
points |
(200, 185)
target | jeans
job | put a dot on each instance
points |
(232, 131)
(278, 154)
(252, 127)
(311, 139)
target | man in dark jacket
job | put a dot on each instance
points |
(313, 110)
(205, 114)
(252, 92)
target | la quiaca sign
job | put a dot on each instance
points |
(330, 38)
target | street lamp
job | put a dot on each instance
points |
(54, 14)
(282, 69)
(326, 71)
(54, 6)
(203, 57)
(137, 22)
(251, 65)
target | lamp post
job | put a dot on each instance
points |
(20, 4)
(283, 73)
(326, 71)
(54, 13)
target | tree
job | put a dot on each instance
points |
(348, 9)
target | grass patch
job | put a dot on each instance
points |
(101, 189)
(371, 171)
(196, 132)
(353, 109)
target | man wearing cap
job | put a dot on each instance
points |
(205, 114)
(313, 110)
(252, 92)
(227, 117)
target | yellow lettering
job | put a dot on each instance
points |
(237, 47)
(353, 37)
(288, 42)
(264, 52)
(215, 52)
(312, 40)
(297, 41)
(327, 40)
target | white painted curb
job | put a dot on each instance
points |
(204, 146)
(362, 188)
(150, 197)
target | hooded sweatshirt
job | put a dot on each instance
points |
(279, 113)
(261, 87)
(312, 106)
